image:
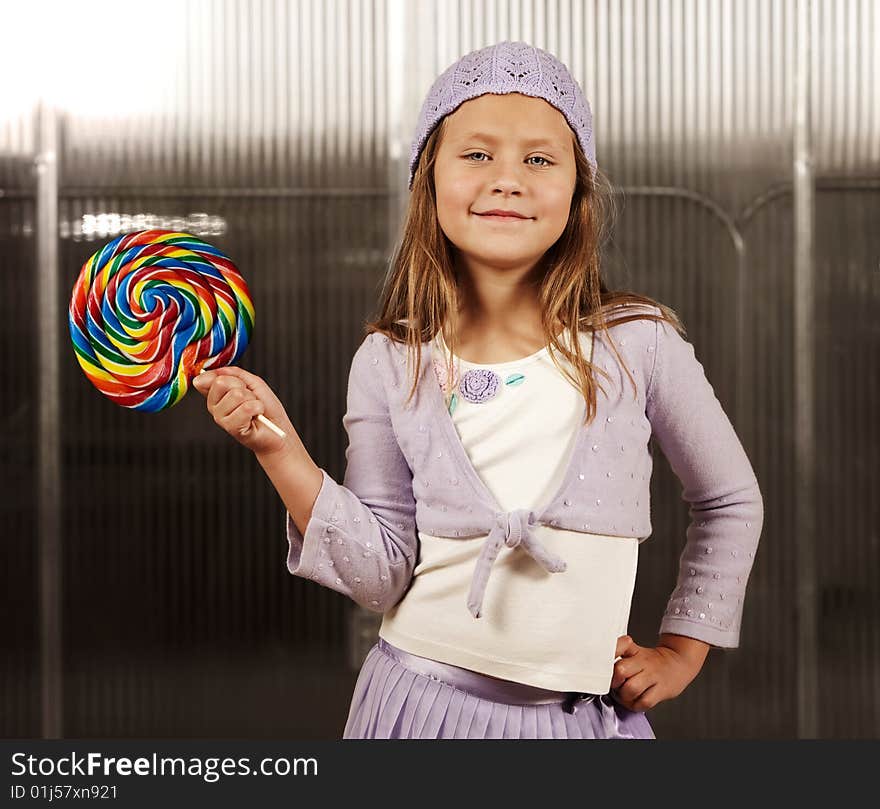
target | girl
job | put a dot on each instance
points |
(497, 479)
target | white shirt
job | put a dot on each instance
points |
(552, 630)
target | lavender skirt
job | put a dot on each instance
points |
(399, 695)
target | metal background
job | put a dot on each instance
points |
(145, 592)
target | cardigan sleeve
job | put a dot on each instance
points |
(725, 504)
(361, 538)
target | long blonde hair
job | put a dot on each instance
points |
(421, 289)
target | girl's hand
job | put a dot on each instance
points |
(235, 398)
(645, 676)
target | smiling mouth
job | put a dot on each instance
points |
(502, 218)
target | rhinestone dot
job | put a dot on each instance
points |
(595, 447)
(330, 529)
(357, 579)
(383, 577)
(693, 572)
(607, 474)
(677, 610)
(702, 615)
(690, 612)
(700, 589)
(374, 602)
(339, 581)
(357, 519)
(598, 502)
(327, 539)
(581, 476)
(717, 575)
(568, 502)
(708, 550)
(345, 559)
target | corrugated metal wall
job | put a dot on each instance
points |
(143, 555)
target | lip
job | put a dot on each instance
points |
(503, 217)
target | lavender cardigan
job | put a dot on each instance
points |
(407, 471)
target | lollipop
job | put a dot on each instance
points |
(151, 310)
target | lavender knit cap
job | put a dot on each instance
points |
(508, 67)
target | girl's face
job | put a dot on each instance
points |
(508, 152)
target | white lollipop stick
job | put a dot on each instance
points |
(275, 429)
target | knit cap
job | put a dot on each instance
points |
(507, 67)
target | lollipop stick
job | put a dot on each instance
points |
(277, 430)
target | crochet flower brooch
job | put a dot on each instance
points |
(477, 385)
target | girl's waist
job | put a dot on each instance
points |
(481, 685)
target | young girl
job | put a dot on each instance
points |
(498, 468)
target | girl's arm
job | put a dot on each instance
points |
(726, 507)
(360, 537)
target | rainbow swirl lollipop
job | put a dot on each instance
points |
(151, 310)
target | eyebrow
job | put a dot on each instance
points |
(492, 139)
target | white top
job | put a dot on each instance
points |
(551, 630)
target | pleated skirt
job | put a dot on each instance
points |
(399, 695)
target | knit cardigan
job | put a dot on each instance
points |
(406, 470)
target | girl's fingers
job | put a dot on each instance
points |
(632, 689)
(647, 699)
(625, 645)
(624, 669)
(221, 385)
(231, 400)
(251, 381)
(240, 420)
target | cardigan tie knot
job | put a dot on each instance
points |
(511, 528)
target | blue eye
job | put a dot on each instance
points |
(473, 154)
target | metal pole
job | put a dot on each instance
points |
(49, 495)
(807, 625)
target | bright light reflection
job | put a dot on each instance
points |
(96, 58)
